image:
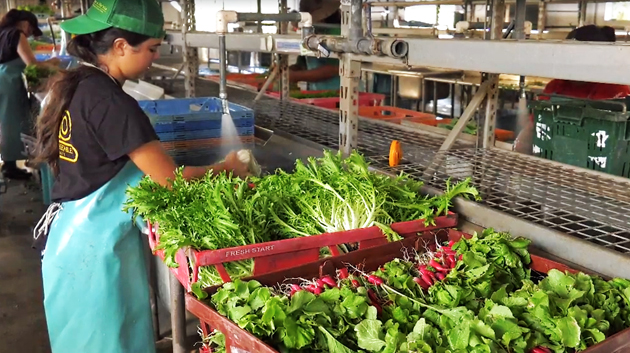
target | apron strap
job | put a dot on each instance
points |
(41, 230)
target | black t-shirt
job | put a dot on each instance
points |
(9, 40)
(101, 127)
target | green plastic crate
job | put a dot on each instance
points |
(587, 134)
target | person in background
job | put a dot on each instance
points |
(576, 89)
(320, 73)
(15, 54)
(98, 141)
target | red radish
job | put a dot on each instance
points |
(251, 185)
(356, 283)
(318, 290)
(447, 263)
(375, 280)
(320, 283)
(311, 288)
(426, 278)
(295, 288)
(451, 243)
(449, 251)
(343, 273)
(540, 350)
(432, 274)
(421, 283)
(372, 296)
(437, 266)
(329, 281)
(440, 276)
(451, 259)
(461, 257)
(379, 310)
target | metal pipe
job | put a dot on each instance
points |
(259, 11)
(368, 19)
(178, 315)
(394, 48)
(223, 73)
(519, 19)
(277, 17)
(356, 20)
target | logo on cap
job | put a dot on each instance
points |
(99, 7)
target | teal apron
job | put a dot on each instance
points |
(15, 109)
(96, 288)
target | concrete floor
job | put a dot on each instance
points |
(22, 321)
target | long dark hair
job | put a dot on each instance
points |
(62, 87)
(11, 19)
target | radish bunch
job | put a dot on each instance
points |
(316, 286)
(540, 350)
(440, 265)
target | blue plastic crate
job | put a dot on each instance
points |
(167, 111)
(200, 134)
(183, 125)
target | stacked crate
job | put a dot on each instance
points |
(190, 129)
(587, 134)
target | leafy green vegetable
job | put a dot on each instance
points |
(489, 303)
(36, 74)
(306, 95)
(471, 127)
(323, 195)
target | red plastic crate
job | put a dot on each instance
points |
(287, 253)
(254, 80)
(365, 99)
(238, 340)
(392, 114)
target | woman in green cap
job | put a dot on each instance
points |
(15, 109)
(98, 141)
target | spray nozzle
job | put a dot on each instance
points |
(247, 157)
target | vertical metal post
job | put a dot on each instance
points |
(350, 72)
(489, 118)
(582, 13)
(191, 55)
(283, 60)
(392, 12)
(178, 315)
(519, 19)
(540, 26)
(259, 10)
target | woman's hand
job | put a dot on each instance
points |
(233, 164)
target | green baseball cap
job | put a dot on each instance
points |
(138, 16)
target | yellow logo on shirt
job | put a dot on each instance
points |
(67, 152)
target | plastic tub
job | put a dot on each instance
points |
(287, 253)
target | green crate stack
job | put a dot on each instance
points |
(588, 134)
